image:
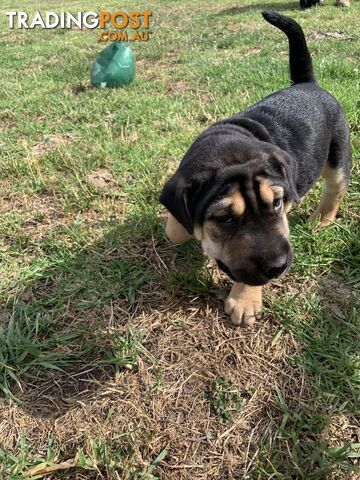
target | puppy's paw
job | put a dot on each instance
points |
(243, 304)
(175, 232)
(322, 220)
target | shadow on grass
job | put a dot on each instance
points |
(66, 333)
(259, 6)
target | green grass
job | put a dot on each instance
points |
(330, 358)
(100, 459)
(69, 252)
(225, 399)
(31, 343)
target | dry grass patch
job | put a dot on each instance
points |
(168, 401)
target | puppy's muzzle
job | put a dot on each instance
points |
(263, 272)
(276, 267)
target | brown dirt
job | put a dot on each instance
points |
(51, 142)
(102, 179)
(329, 35)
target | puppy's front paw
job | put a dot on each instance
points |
(322, 220)
(175, 232)
(243, 304)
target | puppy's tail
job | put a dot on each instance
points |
(301, 69)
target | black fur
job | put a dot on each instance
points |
(301, 69)
(308, 3)
(301, 128)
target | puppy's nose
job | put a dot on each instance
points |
(276, 267)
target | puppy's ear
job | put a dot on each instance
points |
(286, 168)
(176, 197)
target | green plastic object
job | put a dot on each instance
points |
(114, 66)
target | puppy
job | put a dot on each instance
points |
(240, 177)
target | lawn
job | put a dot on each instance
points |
(116, 358)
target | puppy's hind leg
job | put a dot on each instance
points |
(336, 174)
(175, 232)
(335, 188)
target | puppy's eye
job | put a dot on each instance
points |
(277, 204)
(224, 219)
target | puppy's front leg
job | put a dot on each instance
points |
(243, 303)
(175, 232)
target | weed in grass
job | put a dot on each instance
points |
(121, 459)
(103, 457)
(225, 399)
(15, 463)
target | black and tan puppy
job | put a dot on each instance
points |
(240, 177)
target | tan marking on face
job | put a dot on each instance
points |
(233, 203)
(237, 203)
(278, 191)
(266, 192)
(219, 206)
(175, 232)
(220, 212)
(219, 248)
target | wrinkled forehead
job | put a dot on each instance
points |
(252, 195)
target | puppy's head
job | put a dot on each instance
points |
(238, 213)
